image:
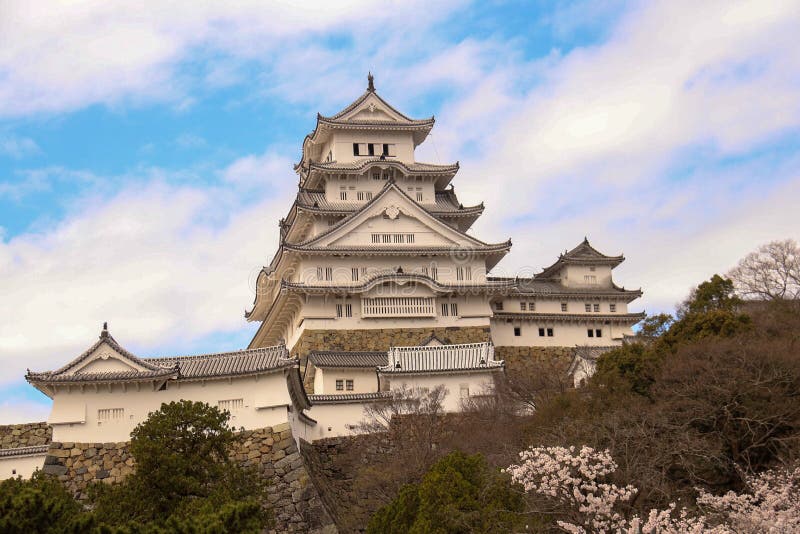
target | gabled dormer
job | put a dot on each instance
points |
(583, 266)
(369, 128)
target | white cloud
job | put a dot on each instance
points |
(163, 264)
(18, 147)
(57, 56)
(16, 411)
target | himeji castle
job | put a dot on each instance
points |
(377, 285)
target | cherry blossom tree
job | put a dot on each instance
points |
(577, 480)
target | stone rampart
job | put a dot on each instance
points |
(271, 451)
(24, 435)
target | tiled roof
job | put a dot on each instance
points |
(348, 398)
(218, 365)
(445, 358)
(446, 204)
(242, 362)
(379, 277)
(548, 287)
(364, 162)
(631, 318)
(583, 254)
(338, 359)
(24, 451)
(402, 251)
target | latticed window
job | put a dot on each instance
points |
(349, 385)
(340, 385)
(110, 414)
(612, 308)
(231, 405)
(398, 307)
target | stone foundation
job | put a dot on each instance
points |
(24, 435)
(527, 359)
(271, 451)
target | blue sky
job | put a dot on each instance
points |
(146, 150)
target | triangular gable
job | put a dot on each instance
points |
(586, 252)
(393, 203)
(106, 355)
(371, 107)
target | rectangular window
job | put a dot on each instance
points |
(349, 385)
(360, 195)
(419, 197)
(329, 273)
(354, 271)
(549, 332)
(434, 272)
(598, 333)
(498, 306)
(371, 148)
(468, 272)
(453, 309)
(363, 272)
(596, 308)
(231, 405)
(459, 273)
(590, 332)
(563, 306)
(368, 195)
(523, 306)
(342, 195)
(398, 307)
(588, 307)
(319, 273)
(376, 175)
(612, 308)
(445, 310)
(590, 279)
(339, 385)
(541, 332)
(339, 310)
(356, 151)
(517, 331)
(389, 149)
(409, 238)
(531, 306)
(111, 414)
(344, 310)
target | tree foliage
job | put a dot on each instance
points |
(459, 494)
(38, 505)
(183, 472)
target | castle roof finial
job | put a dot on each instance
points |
(104, 333)
(370, 82)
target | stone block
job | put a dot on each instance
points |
(102, 474)
(281, 428)
(56, 470)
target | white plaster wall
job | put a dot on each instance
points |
(553, 305)
(479, 383)
(265, 400)
(343, 144)
(332, 420)
(306, 271)
(565, 334)
(24, 466)
(364, 380)
(573, 275)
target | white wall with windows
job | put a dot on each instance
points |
(330, 381)
(522, 333)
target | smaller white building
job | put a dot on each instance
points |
(21, 461)
(584, 363)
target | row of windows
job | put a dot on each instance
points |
(360, 195)
(419, 195)
(548, 332)
(374, 149)
(448, 309)
(392, 238)
(231, 405)
(343, 383)
(531, 306)
(356, 273)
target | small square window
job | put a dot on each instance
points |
(541, 332)
(517, 331)
(612, 308)
(549, 332)
(349, 385)
(588, 308)
(498, 306)
(523, 306)
(598, 333)
(563, 306)
(596, 308)
(340, 385)
(531, 306)
(590, 332)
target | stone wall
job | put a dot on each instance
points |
(530, 359)
(24, 435)
(272, 451)
(382, 339)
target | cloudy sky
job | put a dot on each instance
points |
(146, 149)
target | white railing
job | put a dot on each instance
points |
(398, 307)
(440, 357)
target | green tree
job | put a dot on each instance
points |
(39, 505)
(636, 364)
(459, 494)
(715, 294)
(655, 326)
(183, 472)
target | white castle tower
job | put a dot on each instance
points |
(375, 253)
